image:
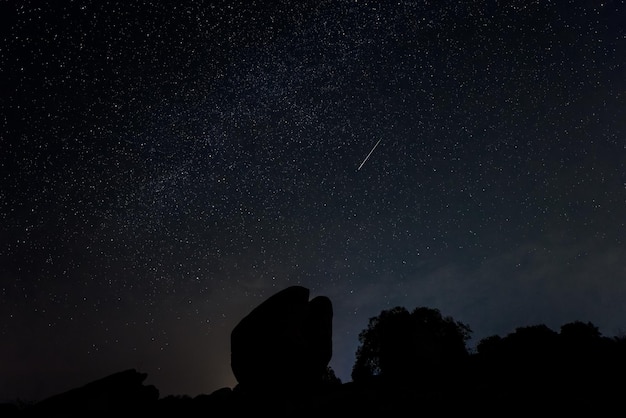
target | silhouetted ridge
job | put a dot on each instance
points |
(122, 392)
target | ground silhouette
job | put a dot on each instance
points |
(412, 363)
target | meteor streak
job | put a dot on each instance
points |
(368, 155)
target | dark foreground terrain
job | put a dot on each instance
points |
(410, 363)
(494, 394)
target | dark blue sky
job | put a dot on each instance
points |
(167, 167)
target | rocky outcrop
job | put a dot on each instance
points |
(285, 342)
(121, 392)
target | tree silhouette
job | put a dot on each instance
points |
(580, 331)
(404, 346)
(573, 369)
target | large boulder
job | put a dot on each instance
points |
(285, 342)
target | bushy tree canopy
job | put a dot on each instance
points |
(403, 345)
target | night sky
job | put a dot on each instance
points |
(168, 166)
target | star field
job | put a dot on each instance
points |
(167, 167)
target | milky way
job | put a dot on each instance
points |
(167, 167)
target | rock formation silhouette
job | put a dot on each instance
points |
(120, 392)
(285, 342)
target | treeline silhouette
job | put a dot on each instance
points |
(407, 363)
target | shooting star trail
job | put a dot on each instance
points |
(368, 155)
